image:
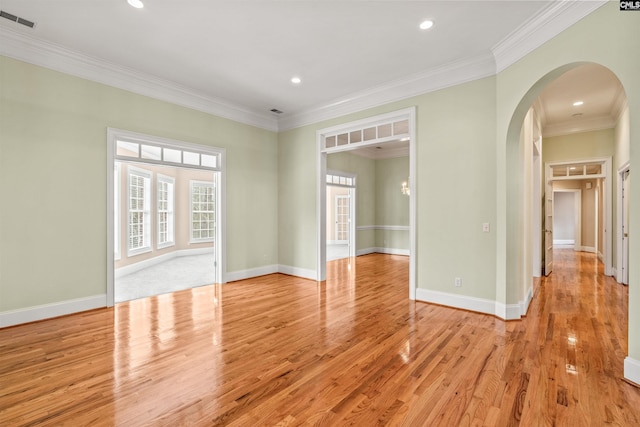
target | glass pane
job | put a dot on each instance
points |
(400, 128)
(329, 179)
(172, 155)
(594, 169)
(384, 130)
(559, 170)
(343, 139)
(150, 152)
(369, 134)
(209, 161)
(575, 170)
(330, 141)
(129, 149)
(343, 180)
(189, 158)
(355, 136)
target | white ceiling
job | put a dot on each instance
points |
(596, 86)
(240, 55)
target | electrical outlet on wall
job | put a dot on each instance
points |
(458, 282)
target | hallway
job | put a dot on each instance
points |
(280, 350)
(576, 340)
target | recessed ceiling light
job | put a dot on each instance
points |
(425, 25)
(578, 103)
(136, 3)
(296, 80)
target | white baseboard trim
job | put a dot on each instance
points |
(479, 305)
(252, 272)
(590, 249)
(384, 227)
(380, 250)
(47, 311)
(508, 311)
(632, 370)
(298, 272)
(564, 242)
(392, 251)
(132, 268)
(524, 305)
(601, 257)
(464, 302)
(365, 251)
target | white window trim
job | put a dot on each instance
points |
(171, 211)
(132, 170)
(191, 185)
(115, 134)
(117, 210)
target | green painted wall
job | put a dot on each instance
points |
(378, 198)
(455, 186)
(365, 170)
(599, 143)
(53, 171)
(392, 207)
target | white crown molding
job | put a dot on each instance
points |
(55, 57)
(578, 126)
(448, 75)
(545, 25)
(542, 27)
(619, 105)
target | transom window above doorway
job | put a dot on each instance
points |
(389, 130)
(155, 153)
(577, 170)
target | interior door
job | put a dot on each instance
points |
(342, 218)
(625, 228)
(548, 223)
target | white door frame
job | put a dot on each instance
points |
(620, 276)
(352, 206)
(536, 218)
(321, 184)
(113, 135)
(607, 175)
(577, 214)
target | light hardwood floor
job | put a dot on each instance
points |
(278, 350)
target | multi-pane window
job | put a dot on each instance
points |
(203, 205)
(165, 209)
(139, 215)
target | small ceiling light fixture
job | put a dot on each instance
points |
(578, 103)
(296, 80)
(425, 25)
(136, 3)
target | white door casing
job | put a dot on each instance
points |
(625, 227)
(548, 222)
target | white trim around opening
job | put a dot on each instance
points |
(321, 167)
(193, 156)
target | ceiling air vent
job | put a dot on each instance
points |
(275, 110)
(17, 19)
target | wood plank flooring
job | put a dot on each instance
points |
(283, 351)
